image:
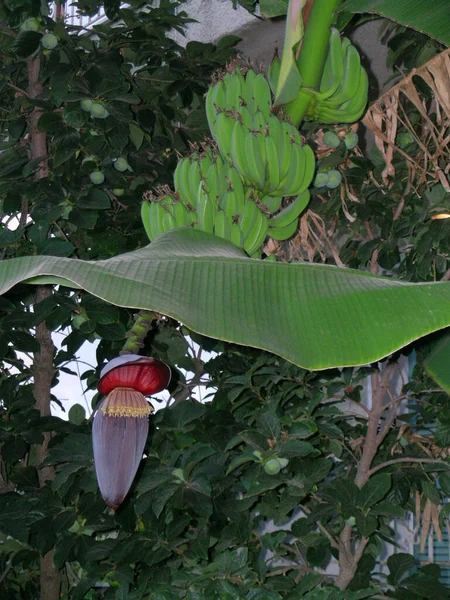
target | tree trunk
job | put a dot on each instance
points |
(43, 368)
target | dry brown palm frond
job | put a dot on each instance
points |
(391, 112)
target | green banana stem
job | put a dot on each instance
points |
(135, 336)
(312, 55)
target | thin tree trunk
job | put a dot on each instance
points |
(43, 368)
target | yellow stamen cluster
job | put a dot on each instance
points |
(126, 402)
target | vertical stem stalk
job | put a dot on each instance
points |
(312, 55)
(144, 320)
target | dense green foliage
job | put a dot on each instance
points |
(193, 524)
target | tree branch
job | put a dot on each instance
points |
(407, 459)
(348, 559)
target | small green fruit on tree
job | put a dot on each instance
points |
(334, 179)
(272, 466)
(331, 140)
(49, 41)
(78, 321)
(86, 104)
(98, 111)
(97, 177)
(30, 24)
(321, 180)
(404, 140)
(118, 191)
(351, 140)
(121, 165)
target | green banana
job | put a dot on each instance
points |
(194, 179)
(181, 180)
(233, 90)
(234, 183)
(286, 151)
(310, 167)
(247, 219)
(254, 241)
(291, 212)
(262, 95)
(159, 214)
(259, 122)
(225, 125)
(255, 159)
(229, 204)
(292, 184)
(273, 169)
(248, 92)
(215, 102)
(236, 235)
(146, 220)
(272, 203)
(183, 217)
(246, 117)
(237, 149)
(206, 211)
(222, 225)
(168, 221)
(283, 233)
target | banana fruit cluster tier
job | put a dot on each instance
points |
(250, 182)
(342, 95)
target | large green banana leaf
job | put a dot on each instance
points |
(431, 17)
(316, 316)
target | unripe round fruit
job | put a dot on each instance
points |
(351, 521)
(118, 191)
(78, 321)
(97, 177)
(283, 462)
(404, 139)
(30, 24)
(98, 111)
(334, 179)
(351, 140)
(272, 466)
(49, 41)
(121, 165)
(321, 180)
(86, 104)
(331, 140)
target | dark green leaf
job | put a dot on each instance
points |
(26, 43)
(374, 490)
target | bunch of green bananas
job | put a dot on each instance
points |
(342, 95)
(267, 152)
(236, 190)
(163, 213)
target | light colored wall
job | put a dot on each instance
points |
(217, 18)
